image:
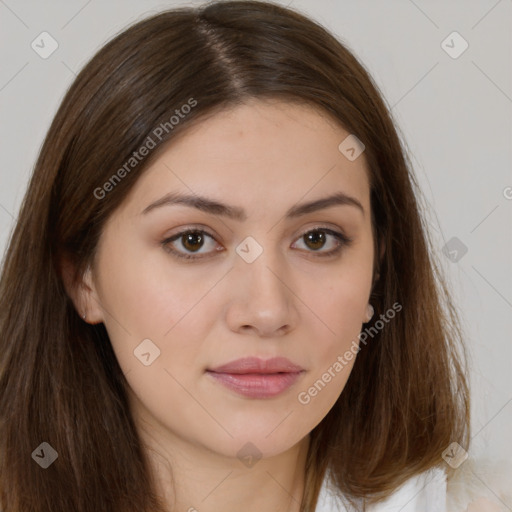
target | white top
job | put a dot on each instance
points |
(423, 493)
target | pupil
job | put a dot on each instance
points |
(192, 240)
(316, 238)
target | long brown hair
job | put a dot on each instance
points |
(406, 399)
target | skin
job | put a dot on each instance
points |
(264, 157)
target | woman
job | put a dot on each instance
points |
(219, 291)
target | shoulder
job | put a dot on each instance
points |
(422, 493)
(480, 485)
(476, 486)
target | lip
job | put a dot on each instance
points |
(257, 365)
(257, 378)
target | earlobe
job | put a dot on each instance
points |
(369, 312)
(82, 292)
(92, 310)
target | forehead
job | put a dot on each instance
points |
(261, 151)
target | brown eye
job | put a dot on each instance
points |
(192, 241)
(315, 239)
(188, 244)
(319, 238)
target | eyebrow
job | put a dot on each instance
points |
(213, 207)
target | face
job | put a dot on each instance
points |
(257, 274)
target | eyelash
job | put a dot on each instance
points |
(343, 241)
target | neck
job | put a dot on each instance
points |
(193, 478)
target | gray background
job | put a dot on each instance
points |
(454, 114)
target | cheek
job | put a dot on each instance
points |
(341, 303)
(144, 297)
(342, 319)
(340, 307)
(334, 352)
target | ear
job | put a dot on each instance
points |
(82, 291)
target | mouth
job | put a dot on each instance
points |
(257, 378)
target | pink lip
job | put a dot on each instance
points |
(257, 378)
(257, 365)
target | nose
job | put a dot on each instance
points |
(261, 301)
